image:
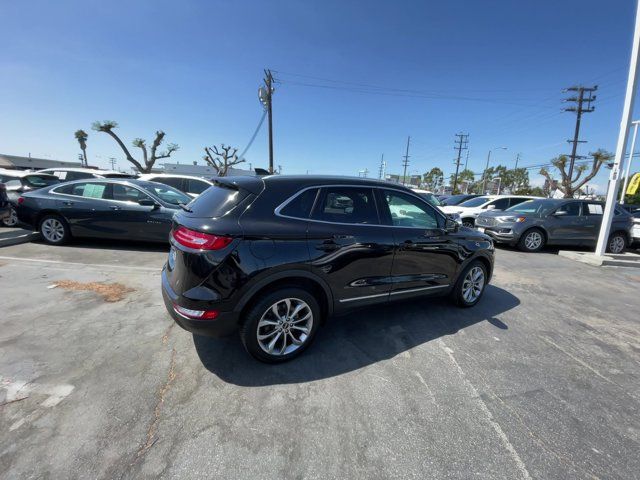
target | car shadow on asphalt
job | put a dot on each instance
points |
(113, 244)
(350, 342)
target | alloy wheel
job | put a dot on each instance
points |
(616, 244)
(473, 284)
(12, 221)
(533, 240)
(285, 326)
(52, 230)
(468, 224)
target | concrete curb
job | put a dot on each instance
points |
(610, 260)
(18, 239)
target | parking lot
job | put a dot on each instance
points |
(540, 380)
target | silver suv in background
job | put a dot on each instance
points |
(533, 224)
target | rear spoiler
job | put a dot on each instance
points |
(251, 184)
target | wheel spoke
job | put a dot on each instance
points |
(274, 309)
(272, 343)
(267, 335)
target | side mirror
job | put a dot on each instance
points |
(148, 202)
(490, 207)
(450, 225)
(561, 213)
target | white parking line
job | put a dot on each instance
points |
(99, 265)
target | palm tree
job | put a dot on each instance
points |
(82, 136)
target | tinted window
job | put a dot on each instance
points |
(455, 199)
(167, 194)
(196, 186)
(431, 198)
(533, 206)
(347, 205)
(77, 175)
(516, 201)
(475, 202)
(500, 204)
(174, 182)
(84, 189)
(39, 181)
(407, 211)
(216, 201)
(125, 193)
(572, 208)
(592, 209)
(300, 206)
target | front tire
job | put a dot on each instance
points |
(469, 222)
(471, 284)
(532, 240)
(54, 230)
(281, 325)
(617, 243)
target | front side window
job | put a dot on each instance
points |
(76, 176)
(475, 202)
(347, 205)
(166, 193)
(572, 209)
(500, 204)
(516, 201)
(125, 193)
(174, 182)
(407, 211)
(300, 206)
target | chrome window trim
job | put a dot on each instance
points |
(372, 187)
(399, 292)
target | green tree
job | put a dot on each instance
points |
(82, 137)
(433, 178)
(149, 157)
(465, 176)
(570, 186)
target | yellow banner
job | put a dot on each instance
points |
(633, 184)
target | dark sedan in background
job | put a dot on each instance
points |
(102, 208)
(18, 182)
(533, 224)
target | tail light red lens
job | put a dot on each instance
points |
(196, 314)
(198, 240)
(20, 200)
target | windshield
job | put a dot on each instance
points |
(431, 199)
(475, 202)
(167, 194)
(533, 206)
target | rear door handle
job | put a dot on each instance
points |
(68, 203)
(115, 207)
(328, 246)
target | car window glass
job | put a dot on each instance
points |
(39, 181)
(572, 208)
(300, 206)
(125, 193)
(475, 202)
(592, 209)
(167, 194)
(407, 211)
(196, 186)
(516, 201)
(76, 176)
(13, 183)
(500, 204)
(347, 205)
(175, 182)
(87, 190)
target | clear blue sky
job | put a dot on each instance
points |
(494, 69)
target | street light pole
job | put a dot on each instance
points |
(628, 169)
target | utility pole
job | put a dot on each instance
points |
(461, 144)
(265, 94)
(580, 100)
(405, 162)
(383, 167)
(112, 161)
(517, 160)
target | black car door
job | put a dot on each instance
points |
(425, 259)
(138, 216)
(85, 205)
(348, 247)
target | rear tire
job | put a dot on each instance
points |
(471, 284)
(281, 325)
(469, 222)
(12, 219)
(54, 230)
(617, 243)
(532, 240)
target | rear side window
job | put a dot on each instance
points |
(39, 181)
(171, 181)
(216, 200)
(346, 205)
(196, 186)
(300, 206)
(572, 209)
(592, 209)
(87, 190)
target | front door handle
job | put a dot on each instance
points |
(115, 207)
(328, 246)
(67, 203)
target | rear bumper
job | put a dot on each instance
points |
(225, 324)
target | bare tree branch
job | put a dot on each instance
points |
(222, 159)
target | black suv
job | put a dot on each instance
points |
(274, 256)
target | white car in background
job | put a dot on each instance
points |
(470, 209)
(635, 228)
(433, 200)
(69, 174)
(192, 185)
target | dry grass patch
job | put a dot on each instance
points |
(110, 292)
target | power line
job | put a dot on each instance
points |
(255, 134)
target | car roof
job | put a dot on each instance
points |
(23, 173)
(97, 171)
(173, 175)
(131, 181)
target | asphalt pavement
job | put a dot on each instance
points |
(540, 380)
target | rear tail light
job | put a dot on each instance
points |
(20, 200)
(196, 314)
(198, 240)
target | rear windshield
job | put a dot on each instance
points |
(39, 181)
(533, 206)
(475, 202)
(216, 200)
